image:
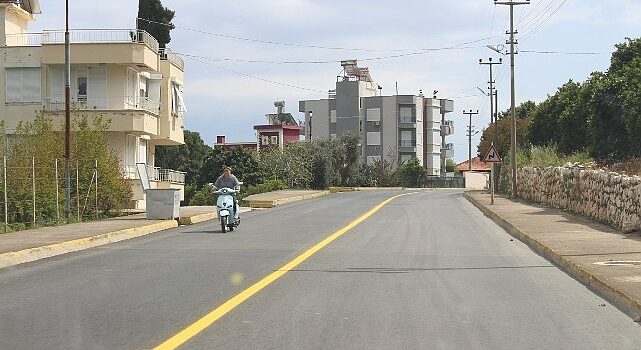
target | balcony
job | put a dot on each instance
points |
(168, 55)
(84, 36)
(54, 104)
(405, 146)
(126, 114)
(155, 174)
(407, 122)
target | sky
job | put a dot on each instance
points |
(226, 93)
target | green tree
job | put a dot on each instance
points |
(156, 19)
(244, 164)
(411, 173)
(188, 157)
(504, 124)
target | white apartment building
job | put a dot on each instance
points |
(395, 128)
(122, 75)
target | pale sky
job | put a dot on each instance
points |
(230, 96)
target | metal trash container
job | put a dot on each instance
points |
(163, 204)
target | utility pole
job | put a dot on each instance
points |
(67, 116)
(512, 42)
(491, 87)
(469, 135)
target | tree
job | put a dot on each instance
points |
(156, 19)
(244, 164)
(504, 124)
(411, 173)
(188, 157)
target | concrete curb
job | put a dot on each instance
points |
(281, 201)
(623, 301)
(194, 219)
(33, 254)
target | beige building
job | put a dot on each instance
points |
(122, 75)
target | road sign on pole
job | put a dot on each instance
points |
(492, 156)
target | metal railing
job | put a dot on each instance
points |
(167, 55)
(407, 143)
(84, 36)
(406, 120)
(155, 174)
(24, 39)
(57, 103)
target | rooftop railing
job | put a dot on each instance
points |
(84, 36)
(168, 55)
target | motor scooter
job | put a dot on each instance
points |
(226, 209)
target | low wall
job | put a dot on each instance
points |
(605, 196)
(477, 180)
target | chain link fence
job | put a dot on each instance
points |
(35, 192)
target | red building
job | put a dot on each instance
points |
(281, 130)
(277, 135)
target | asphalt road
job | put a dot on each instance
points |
(427, 271)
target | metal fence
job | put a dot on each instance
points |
(444, 182)
(34, 192)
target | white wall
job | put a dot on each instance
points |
(477, 180)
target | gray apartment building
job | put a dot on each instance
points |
(394, 128)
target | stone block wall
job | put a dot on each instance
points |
(605, 196)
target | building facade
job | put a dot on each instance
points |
(394, 128)
(120, 75)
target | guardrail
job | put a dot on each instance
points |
(407, 143)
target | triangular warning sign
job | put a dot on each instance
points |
(492, 156)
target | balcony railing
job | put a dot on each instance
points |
(155, 174)
(52, 104)
(407, 143)
(168, 55)
(84, 36)
(406, 120)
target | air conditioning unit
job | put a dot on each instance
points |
(376, 123)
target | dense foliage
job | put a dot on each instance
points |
(601, 116)
(155, 19)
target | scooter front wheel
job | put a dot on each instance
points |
(223, 224)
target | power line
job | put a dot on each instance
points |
(415, 51)
(565, 52)
(540, 24)
(253, 77)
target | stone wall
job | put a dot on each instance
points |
(608, 197)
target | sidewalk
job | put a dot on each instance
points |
(31, 245)
(276, 198)
(602, 258)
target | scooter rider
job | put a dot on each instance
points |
(228, 180)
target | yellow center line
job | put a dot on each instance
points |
(207, 320)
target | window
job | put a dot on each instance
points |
(373, 138)
(373, 115)
(81, 84)
(406, 112)
(23, 85)
(177, 102)
(332, 116)
(373, 159)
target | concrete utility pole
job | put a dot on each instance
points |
(512, 42)
(491, 87)
(469, 135)
(67, 115)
